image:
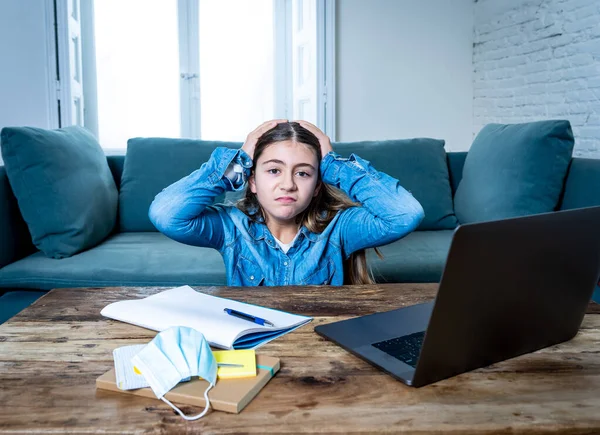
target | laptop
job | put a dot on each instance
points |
(509, 287)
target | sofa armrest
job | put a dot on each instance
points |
(15, 240)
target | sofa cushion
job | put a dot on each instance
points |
(420, 166)
(582, 187)
(418, 257)
(151, 165)
(152, 259)
(514, 170)
(64, 188)
(125, 259)
(456, 162)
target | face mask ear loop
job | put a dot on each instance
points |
(191, 417)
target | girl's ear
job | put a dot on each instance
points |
(252, 183)
(317, 189)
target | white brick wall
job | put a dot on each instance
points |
(539, 59)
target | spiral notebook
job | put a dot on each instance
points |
(184, 306)
(229, 395)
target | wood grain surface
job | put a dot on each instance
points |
(52, 353)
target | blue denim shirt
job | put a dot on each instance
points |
(185, 212)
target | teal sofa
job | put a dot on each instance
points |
(135, 254)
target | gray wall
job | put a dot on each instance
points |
(24, 75)
(24, 72)
(539, 60)
(404, 69)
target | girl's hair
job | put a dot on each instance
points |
(322, 208)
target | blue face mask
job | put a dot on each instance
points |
(173, 355)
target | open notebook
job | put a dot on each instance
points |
(183, 306)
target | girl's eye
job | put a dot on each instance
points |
(303, 174)
(273, 171)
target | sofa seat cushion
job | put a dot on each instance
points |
(418, 257)
(514, 170)
(125, 259)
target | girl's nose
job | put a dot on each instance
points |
(287, 183)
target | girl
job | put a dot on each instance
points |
(293, 227)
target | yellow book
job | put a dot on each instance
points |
(235, 363)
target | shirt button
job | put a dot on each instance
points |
(285, 263)
(251, 276)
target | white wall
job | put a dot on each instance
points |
(404, 69)
(539, 60)
(24, 73)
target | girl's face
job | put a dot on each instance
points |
(285, 180)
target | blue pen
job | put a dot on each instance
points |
(248, 317)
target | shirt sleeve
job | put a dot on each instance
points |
(183, 211)
(387, 213)
(238, 170)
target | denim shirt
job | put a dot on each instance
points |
(185, 212)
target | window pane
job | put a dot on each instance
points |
(304, 65)
(137, 58)
(236, 67)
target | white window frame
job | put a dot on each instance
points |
(326, 108)
(190, 65)
(59, 32)
(52, 67)
(189, 68)
(282, 16)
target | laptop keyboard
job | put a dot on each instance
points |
(405, 348)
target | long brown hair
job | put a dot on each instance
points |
(322, 208)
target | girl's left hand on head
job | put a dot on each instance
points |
(323, 139)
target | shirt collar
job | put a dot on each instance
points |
(310, 236)
(260, 231)
(257, 230)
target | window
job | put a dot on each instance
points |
(237, 67)
(209, 69)
(137, 70)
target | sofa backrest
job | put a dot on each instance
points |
(152, 164)
(582, 185)
(456, 161)
(580, 189)
(115, 163)
(15, 239)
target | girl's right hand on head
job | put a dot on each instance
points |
(253, 137)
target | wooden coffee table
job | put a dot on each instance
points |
(52, 353)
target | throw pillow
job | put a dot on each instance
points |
(514, 170)
(421, 167)
(63, 185)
